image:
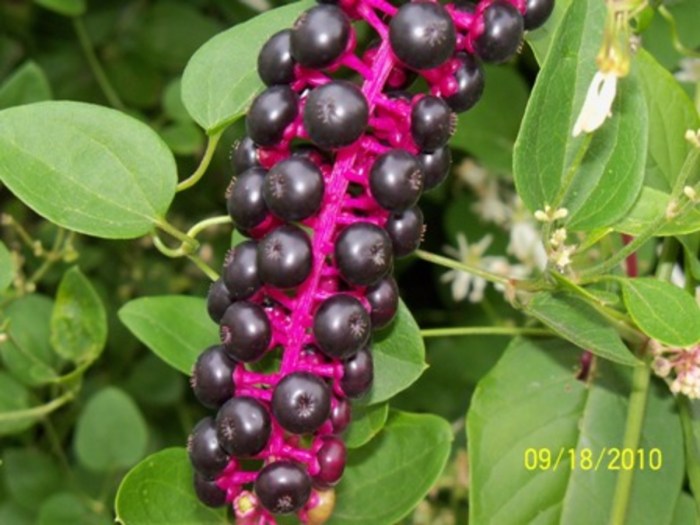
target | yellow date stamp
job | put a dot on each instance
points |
(587, 459)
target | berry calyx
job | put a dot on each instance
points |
(301, 402)
(243, 426)
(283, 487)
(336, 114)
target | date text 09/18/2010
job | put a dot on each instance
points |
(608, 458)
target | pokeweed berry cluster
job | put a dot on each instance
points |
(325, 188)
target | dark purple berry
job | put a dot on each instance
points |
(284, 257)
(405, 230)
(245, 203)
(435, 166)
(212, 377)
(208, 491)
(275, 62)
(218, 300)
(422, 35)
(320, 36)
(396, 180)
(537, 12)
(301, 402)
(503, 32)
(243, 426)
(245, 331)
(206, 455)
(363, 253)
(336, 114)
(241, 270)
(341, 414)
(470, 84)
(283, 487)
(244, 155)
(358, 374)
(383, 297)
(271, 112)
(432, 123)
(331, 458)
(342, 326)
(294, 189)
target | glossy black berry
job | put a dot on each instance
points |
(293, 189)
(436, 166)
(537, 12)
(218, 300)
(245, 331)
(271, 112)
(432, 123)
(503, 32)
(342, 326)
(320, 36)
(331, 458)
(283, 487)
(212, 377)
(405, 230)
(363, 253)
(470, 84)
(284, 257)
(383, 297)
(241, 270)
(341, 414)
(336, 114)
(275, 62)
(422, 35)
(358, 374)
(243, 426)
(206, 455)
(208, 491)
(243, 156)
(396, 180)
(245, 203)
(301, 402)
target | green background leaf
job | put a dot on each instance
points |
(7, 271)
(367, 421)
(13, 396)
(30, 475)
(27, 84)
(65, 508)
(64, 7)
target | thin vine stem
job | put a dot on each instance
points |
(189, 244)
(212, 142)
(208, 270)
(485, 330)
(206, 223)
(457, 265)
(38, 411)
(675, 38)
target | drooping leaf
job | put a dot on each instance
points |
(367, 421)
(663, 311)
(64, 7)
(30, 475)
(111, 432)
(176, 328)
(28, 84)
(110, 175)
(651, 205)
(7, 271)
(158, 491)
(14, 397)
(221, 78)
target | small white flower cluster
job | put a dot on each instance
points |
(690, 71)
(680, 367)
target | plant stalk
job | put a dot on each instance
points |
(212, 142)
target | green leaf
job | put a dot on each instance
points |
(110, 175)
(30, 476)
(172, 102)
(154, 383)
(176, 328)
(690, 419)
(367, 421)
(385, 479)
(578, 322)
(28, 84)
(7, 270)
(158, 491)
(79, 320)
(685, 513)
(541, 39)
(27, 353)
(64, 7)
(65, 508)
(651, 205)
(663, 311)
(111, 432)
(221, 78)
(184, 138)
(13, 396)
(532, 406)
(606, 183)
(399, 357)
(13, 514)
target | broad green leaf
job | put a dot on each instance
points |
(158, 491)
(65, 508)
(111, 432)
(690, 419)
(576, 321)
(137, 83)
(221, 78)
(385, 479)
(651, 205)
(487, 131)
(399, 357)
(605, 185)
(367, 421)
(110, 175)
(176, 328)
(540, 40)
(31, 475)
(7, 271)
(64, 7)
(79, 320)
(183, 138)
(27, 353)
(530, 416)
(685, 513)
(14, 397)
(663, 311)
(28, 84)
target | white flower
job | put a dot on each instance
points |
(526, 245)
(690, 70)
(597, 106)
(472, 174)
